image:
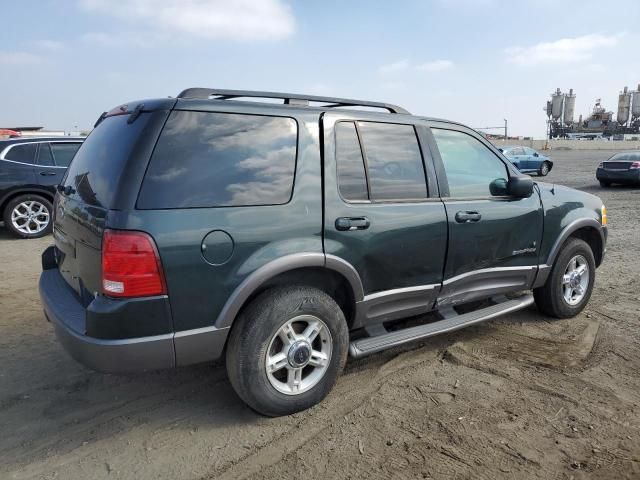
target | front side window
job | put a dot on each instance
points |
(64, 152)
(209, 159)
(24, 153)
(471, 167)
(394, 161)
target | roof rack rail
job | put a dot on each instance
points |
(289, 98)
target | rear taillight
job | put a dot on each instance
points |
(131, 265)
(634, 166)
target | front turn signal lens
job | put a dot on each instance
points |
(603, 215)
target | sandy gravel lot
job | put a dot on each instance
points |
(519, 397)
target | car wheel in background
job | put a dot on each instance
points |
(544, 169)
(570, 283)
(29, 216)
(286, 350)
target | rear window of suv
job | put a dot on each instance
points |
(210, 159)
(94, 173)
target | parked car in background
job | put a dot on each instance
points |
(30, 170)
(287, 236)
(527, 160)
(623, 168)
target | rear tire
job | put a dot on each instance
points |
(605, 184)
(29, 216)
(272, 331)
(566, 291)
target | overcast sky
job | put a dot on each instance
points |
(63, 62)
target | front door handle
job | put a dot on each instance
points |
(48, 174)
(468, 217)
(352, 223)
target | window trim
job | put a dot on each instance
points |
(443, 179)
(9, 147)
(225, 112)
(51, 143)
(428, 198)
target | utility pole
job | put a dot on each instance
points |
(505, 129)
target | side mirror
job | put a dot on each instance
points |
(520, 186)
(536, 154)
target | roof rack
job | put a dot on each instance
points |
(289, 98)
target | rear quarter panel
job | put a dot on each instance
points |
(197, 289)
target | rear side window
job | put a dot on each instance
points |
(209, 159)
(64, 152)
(44, 155)
(394, 161)
(25, 153)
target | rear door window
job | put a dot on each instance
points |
(64, 152)
(394, 161)
(24, 153)
(44, 155)
(210, 159)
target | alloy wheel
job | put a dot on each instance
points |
(299, 354)
(575, 281)
(30, 217)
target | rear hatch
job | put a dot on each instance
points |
(102, 179)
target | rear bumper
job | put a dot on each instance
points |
(64, 310)
(68, 316)
(618, 176)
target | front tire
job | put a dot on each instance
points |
(544, 169)
(570, 283)
(287, 349)
(29, 216)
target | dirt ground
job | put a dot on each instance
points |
(523, 396)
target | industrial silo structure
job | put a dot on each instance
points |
(556, 104)
(569, 107)
(624, 106)
(635, 106)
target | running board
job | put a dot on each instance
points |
(451, 322)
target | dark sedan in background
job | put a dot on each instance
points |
(623, 168)
(30, 170)
(527, 160)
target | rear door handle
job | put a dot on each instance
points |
(468, 217)
(48, 174)
(352, 223)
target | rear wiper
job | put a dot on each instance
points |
(136, 113)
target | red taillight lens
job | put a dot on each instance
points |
(634, 166)
(131, 265)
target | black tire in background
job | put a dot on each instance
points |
(549, 298)
(29, 203)
(253, 333)
(604, 184)
(544, 169)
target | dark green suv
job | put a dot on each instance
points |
(289, 235)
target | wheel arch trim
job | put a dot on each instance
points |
(280, 265)
(569, 230)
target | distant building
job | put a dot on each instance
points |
(8, 132)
